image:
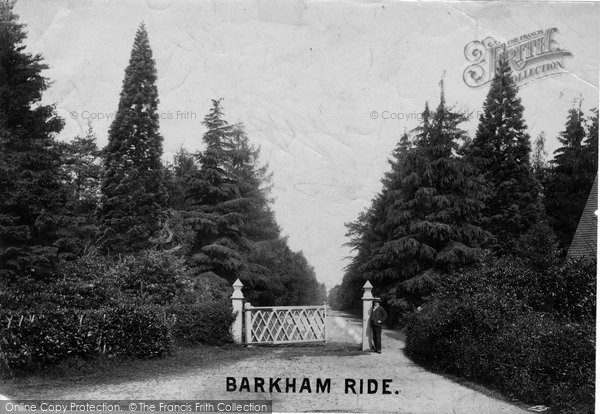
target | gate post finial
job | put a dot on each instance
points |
(367, 299)
(237, 300)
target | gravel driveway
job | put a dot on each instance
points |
(409, 388)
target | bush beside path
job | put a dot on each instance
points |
(412, 388)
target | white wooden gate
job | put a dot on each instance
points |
(284, 324)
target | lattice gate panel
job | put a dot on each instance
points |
(285, 324)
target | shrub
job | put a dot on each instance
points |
(538, 246)
(155, 277)
(46, 339)
(207, 323)
(89, 282)
(140, 332)
(542, 359)
(209, 287)
(530, 334)
(95, 281)
(176, 235)
(38, 341)
(568, 289)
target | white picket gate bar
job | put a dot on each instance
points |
(285, 324)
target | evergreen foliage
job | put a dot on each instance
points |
(526, 331)
(82, 165)
(82, 177)
(570, 177)
(133, 192)
(290, 279)
(254, 182)
(177, 174)
(235, 234)
(500, 152)
(538, 158)
(591, 144)
(214, 204)
(423, 223)
(32, 197)
(431, 221)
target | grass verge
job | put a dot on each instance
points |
(77, 372)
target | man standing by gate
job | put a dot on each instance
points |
(378, 316)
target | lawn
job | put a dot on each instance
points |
(77, 372)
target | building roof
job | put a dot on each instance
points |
(584, 241)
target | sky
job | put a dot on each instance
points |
(325, 88)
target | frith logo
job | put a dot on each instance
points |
(532, 56)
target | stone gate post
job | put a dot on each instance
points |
(248, 322)
(237, 302)
(367, 299)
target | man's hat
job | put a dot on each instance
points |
(378, 300)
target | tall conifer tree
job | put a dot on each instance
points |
(82, 165)
(431, 224)
(235, 232)
(424, 221)
(367, 236)
(591, 146)
(133, 192)
(254, 181)
(569, 182)
(367, 233)
(538, 157)
(214, 204)
(177, 175)
(501, 151)
(82, 177)
(31, 195)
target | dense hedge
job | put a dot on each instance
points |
(94, 281)
(125, 331)
(141, 332)
(208, 323)
(530, 334)
(131, 306)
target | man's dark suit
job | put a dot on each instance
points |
(378, 317)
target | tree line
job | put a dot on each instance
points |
(448, 200)
(63, 201)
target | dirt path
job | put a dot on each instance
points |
(412, 389)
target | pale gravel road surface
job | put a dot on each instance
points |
(414, 390)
